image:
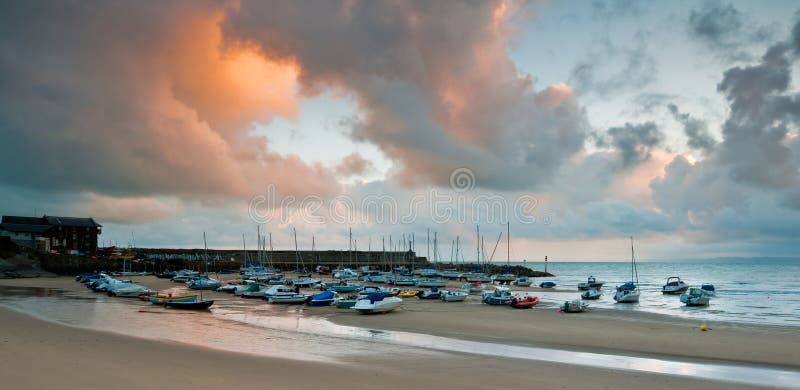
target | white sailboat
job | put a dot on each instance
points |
(629, 292)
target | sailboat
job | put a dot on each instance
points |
(629, 291)
(200, 304)
(506, 277)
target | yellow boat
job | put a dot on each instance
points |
(408, 293)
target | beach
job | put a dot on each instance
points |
(76, 357)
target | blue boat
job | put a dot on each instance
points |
(547, 284)
(322, 299)
(500, 296)
(709, 289)
(433, 293)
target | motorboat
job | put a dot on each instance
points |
(474, 287)
(274, 291)
(522, 281)
(524, 302)
(695, 296)
(674, 286)
(575, 306)
(433, 293)
(591, 282)
(547, 284)
(377, 303)
(454, 296)
(592, 293)
(500, 296)
(324, 298)
(709, 289)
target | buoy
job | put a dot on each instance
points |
(703, 327)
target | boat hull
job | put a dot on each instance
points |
(197, 305)
(161, 300)
(525, 303)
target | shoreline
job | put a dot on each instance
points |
(600, 330)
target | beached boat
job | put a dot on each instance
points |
(404, 281)
(591, 282)
(592, 293)
(133, 290)
(547, 284)
(274, 291)
(160, 299)
(277, 280)
(450, 274)
(322, 299)
(288, 298)
(343, 287)
(575, 306)
(345, 302)
(629, 292)
(500, 296)
(695, 296)
(203, 283)
(253, 290)
(431, 283)
(377, 303)
(433, 293)
(522, 281)
(709, 289)
(228, 288)
(305, 282)
(408, 293)
(454, 296)
(165, 274)
(525, 302)
(674, 286)
(345, 274)
(474, 287)
(184, 275)
(192, 305)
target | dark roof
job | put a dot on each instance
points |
(24, 220)
(24, 227)
(71, 221)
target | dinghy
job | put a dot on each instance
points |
(377, 303)
(547, 284)
(575, 306)
(525, 302)
(454, 296)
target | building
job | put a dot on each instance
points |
(62, 234)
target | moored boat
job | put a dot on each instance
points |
(695, 296)
(474, 287)
(575, 306)
(547, 284)
(592, 293)
(431, 283)
(628, 292)
(322, 299)
(591, 282)
(377, 303)
(433, 293)
(288, 298)
(408, 293)
(454, 296)
(522, 281)
(709, 289)
(190, 305)
(500, 296)
(525, 302)
(674, 286)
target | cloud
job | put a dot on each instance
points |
(435, 86)
(128, 210)
(726, 30)
(123, 99)
(353, 164)
(695, 129)
(633, 142)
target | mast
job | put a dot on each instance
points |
(508, 245)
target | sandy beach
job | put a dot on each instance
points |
(39, 353)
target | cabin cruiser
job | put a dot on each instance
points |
(674, 286)
(591, 282)
(377, 303)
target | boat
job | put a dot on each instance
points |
(228, 288)
(547, 284)
(592, 293)
(160, 299)
(278, 290)
(343, 286)
(591, 282)
(504, 278)
(575, 306)
(507, 277)
(454, 296)
(184, 275)
(288, 298)
(203, 283)
(253, 290)
(451, 274)
(322, 270)
(428, 282)
(377, 303)
(525, 302)
(132, 290)
(322, 299)
(408, 293)
(404, 281)
(433, 293)
(629, 292)
(709, 289)
(192, 305)
(479, 277)
(345, 274)
(165, 274)
(473, 287)
(346, 302)
(500, 296)
(277, 280)
(305, 282)
(522, 281)
(695, 296)
(674, 286)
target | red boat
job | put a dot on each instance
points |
(524, 302)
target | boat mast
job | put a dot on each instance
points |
(508, 245)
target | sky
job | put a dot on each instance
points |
(572, 124)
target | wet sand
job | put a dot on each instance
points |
(36, 344)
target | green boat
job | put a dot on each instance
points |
(344, 287)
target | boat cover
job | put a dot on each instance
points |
(323, 296)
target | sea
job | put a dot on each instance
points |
(749, 290)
